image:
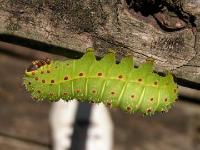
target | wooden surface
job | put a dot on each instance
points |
(76, 25)
(63, 27)
(24, 123)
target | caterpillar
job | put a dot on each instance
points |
(102, 81)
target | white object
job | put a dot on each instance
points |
(100, 131)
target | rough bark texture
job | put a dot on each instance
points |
(170, 34)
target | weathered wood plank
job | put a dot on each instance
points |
(20, 116)
(15, 144)
(24, 122)
(176, 130)
(110, 24)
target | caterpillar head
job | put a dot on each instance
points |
(37, 64)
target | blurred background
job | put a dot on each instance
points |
(25, 125)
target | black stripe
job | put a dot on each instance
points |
(81, 126)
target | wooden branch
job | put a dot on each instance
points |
(170, 37)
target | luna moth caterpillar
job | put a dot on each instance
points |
(102, 81)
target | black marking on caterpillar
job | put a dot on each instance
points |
(89, 80)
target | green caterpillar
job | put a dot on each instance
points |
(89, 80)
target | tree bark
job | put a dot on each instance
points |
(168, 33)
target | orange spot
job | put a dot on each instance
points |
(48, 71)
(65, 93)
(43, 81)
(99, 74)
(112, 93)
(36, 78)
(33, 73)
(94, 91)
(149, 110)
(109, 104)
(132, 96)
(120, 76)
(81, 74)
(66, 78)
(128, 108)
(78, 90)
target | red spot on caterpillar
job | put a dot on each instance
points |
(66, 78)
(120, 76)
(42, 72)
(43, 81)
(48, 71)
(36, 78)
(151, 99)
(81, 74)
(33, 72)
(128, 108)
(78, 90)
(112, 93)
(99, 74)
(52, 81)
